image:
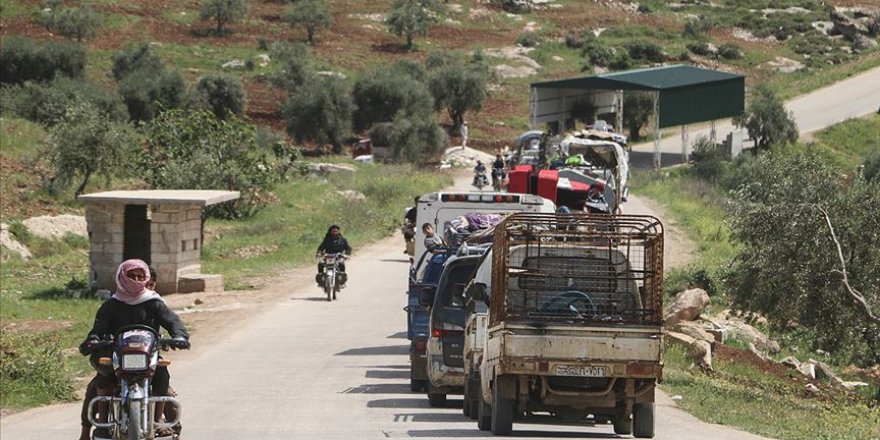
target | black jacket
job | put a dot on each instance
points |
(115, 314)
(333, 245)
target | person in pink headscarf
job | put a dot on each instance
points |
(131, 304)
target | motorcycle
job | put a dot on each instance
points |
(480, 180)
(334, 277)
(498, 177)
(134, 360)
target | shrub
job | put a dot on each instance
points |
(574, 40)
(195, 150)
(646, 51)
(20, 232)
(24, 60)
(709, 163)
(138, 58)
(767, 120)
(528, 39)
(222, 95)
(696, 27)
(78, 23)
(46, 103)
(620, 61)
(871, 167)
(146, 93)
(380, 134)
(701, 48)
(262, 43)
(416, 138)
(730, 51)
(408, 18)
(295, 66)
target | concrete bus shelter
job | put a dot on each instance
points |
(165, 228)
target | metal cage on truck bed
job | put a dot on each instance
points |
(592, 269)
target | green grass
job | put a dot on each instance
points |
(19, 138)
(848, 143)
(741, 396)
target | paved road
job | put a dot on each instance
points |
(308, 369)
(851, 98)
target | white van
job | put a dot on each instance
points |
(441, 208)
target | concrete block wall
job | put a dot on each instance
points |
(175, 232)
(106, 223)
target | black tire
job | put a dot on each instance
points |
(484, 414)
(436, 400)
(474, 396)
(415, 385)
(643, 420)
(328, 290)
(623, 425)
(502, 413)
(466, 401)
(134, 420)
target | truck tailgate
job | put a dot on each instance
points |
(575, 343)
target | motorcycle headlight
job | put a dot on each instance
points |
(134, 361)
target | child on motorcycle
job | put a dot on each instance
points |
(132, 304)
(333, 243)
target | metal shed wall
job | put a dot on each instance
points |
(702, 102)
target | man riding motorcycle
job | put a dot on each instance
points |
(498, 172)
(132, 304)
(333, 243)
(479, 172)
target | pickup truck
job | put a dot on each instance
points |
(573, 329)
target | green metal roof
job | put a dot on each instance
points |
(687, 94)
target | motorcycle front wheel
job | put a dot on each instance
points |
(328, 289)
(134, 420)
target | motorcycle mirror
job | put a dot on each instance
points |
(105, 361)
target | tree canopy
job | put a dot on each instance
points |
(408, 18)
(458, 86)
(320, 111)
(311, 14)
(767, 120)
(224, 12)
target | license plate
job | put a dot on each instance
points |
(580, 371)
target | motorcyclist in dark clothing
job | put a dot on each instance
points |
(333, 243)
(498, 170)
(132, 304)
(479, 170)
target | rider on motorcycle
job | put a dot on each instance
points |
(498, 170)
(333, 243)
(132, 304)
(479, 170)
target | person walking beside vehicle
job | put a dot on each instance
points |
(464, 135)
(333, 243)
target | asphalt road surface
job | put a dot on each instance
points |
(850, 98)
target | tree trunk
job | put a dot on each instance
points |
(82, 186)
(409, 41)
(311, 32)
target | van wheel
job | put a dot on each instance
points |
(415, 385)
(623, 425)
(484, 415)
(473, 395)
(502, 413)
(436, 400)
(466, 402)
(643, 420)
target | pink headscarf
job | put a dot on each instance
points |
(132, 291)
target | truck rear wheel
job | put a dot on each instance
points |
(466, 402)
(643, 420)
(623, 425)
(436, 400)
(502, 413)
(484, 415)
(472, 395)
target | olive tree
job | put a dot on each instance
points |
(408, 18)
(380, 94)
(84, 143)
(77, 23)
(416, 138)
(224, 12)
(457, 86)
(809, 254)
(310, 14)
(146, 85)
(320, 111)
(767, 120)
(192, 149)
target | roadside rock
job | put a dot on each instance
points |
(57, 227)
(791, 362)
(808, 369)
(750, 334)
(327, 168)
(262, 60)
(686, 306)
(352, 196)
(701, 353)
(234, 65)
(694, 330)
(680, 339)
(458, 157)
(846, 26)
(505, 71)
(785, 65)
(7, 241)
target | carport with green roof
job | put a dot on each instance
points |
(682, 95)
